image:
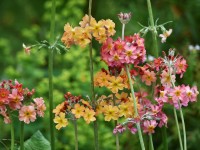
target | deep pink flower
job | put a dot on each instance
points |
(149, 126)
(181, 66)
(15, 100)
(119, 129)
(27, 114)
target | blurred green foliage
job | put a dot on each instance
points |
(29, 21)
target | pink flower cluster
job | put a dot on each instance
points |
(13, 98)
(120, 52)
(150, 116)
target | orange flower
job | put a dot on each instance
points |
(85, 21)
(58, 108)
(101, 79)
(123, 97)
(78, 110)
(148, 77)
(89, 115)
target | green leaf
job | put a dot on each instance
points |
(37, 142)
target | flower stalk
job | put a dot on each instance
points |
(12, 135)
(21, 135)
(153, 29)
(92, 82)
(151, 141)
(76, 134)
(50, 68)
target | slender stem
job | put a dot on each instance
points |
(153, 29)
(12, 135)
(135, 108)
(177, 125)
(123, 29)
(22, 135)
(92, 83)
(117, 135)
(164, 138)
(175, 114)
(183, 124)
(76, 134)
(151, 141)
(52, 38)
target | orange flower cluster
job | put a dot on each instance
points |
(114, 108)
(74, 107)
(113, 83)
(82, 35)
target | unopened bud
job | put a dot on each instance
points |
(124, 17)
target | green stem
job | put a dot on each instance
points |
(153, 29)
(183, 124)
(117, 135)
(92, 83)
(76, 134)
(50, 68)
(22, 135)
(135, 108)
(177, 125)
(164, 138)
(12, 135)
(151, 141)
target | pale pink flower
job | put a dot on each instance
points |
(149, 126)
(7, 119)
(15, 100)
(166, 80)
(119, 129)
(27, 114)
(27, 49)
(165, 35)
(40, 106)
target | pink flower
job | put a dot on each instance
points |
(148, 77)
(15, 100)
(166, 80)
(27, 49)
(119, 129)
(181, 66)
(40, 106)
(149, 126)
(27, 114)
(7, 119)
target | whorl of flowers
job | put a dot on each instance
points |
(120, 52)
(13, 97)
(82, 35)
(74, 107)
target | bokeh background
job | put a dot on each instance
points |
(29, 21)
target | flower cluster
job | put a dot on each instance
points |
(89, 27)
(120, 52)
(13, 97)
(149, 115)
(74, 108)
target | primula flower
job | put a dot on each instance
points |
(148, 77)
(85, 21)
(7, 119)
(78, 110)
(123, 97)
(165, 35)
(126, 109)
(149, 126)
(58, 108)
(3, 96)
(40, 106)
(61, 121)
(101, 79)
(27, 49)
(111, 112)
(124, 17)
(15, 100)
(116, 83)
(165, 78)
(27, 114)
(89, 115)
(119, 129)
(181, 66)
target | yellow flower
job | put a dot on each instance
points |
(89, 115)
(58, 108)
(116, 84)
(78, 110)
(60, 120)
(126, 109)
(111, 112)
(97, 28)
(85, 21)
(110, 26)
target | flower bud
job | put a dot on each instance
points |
(124, 17)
